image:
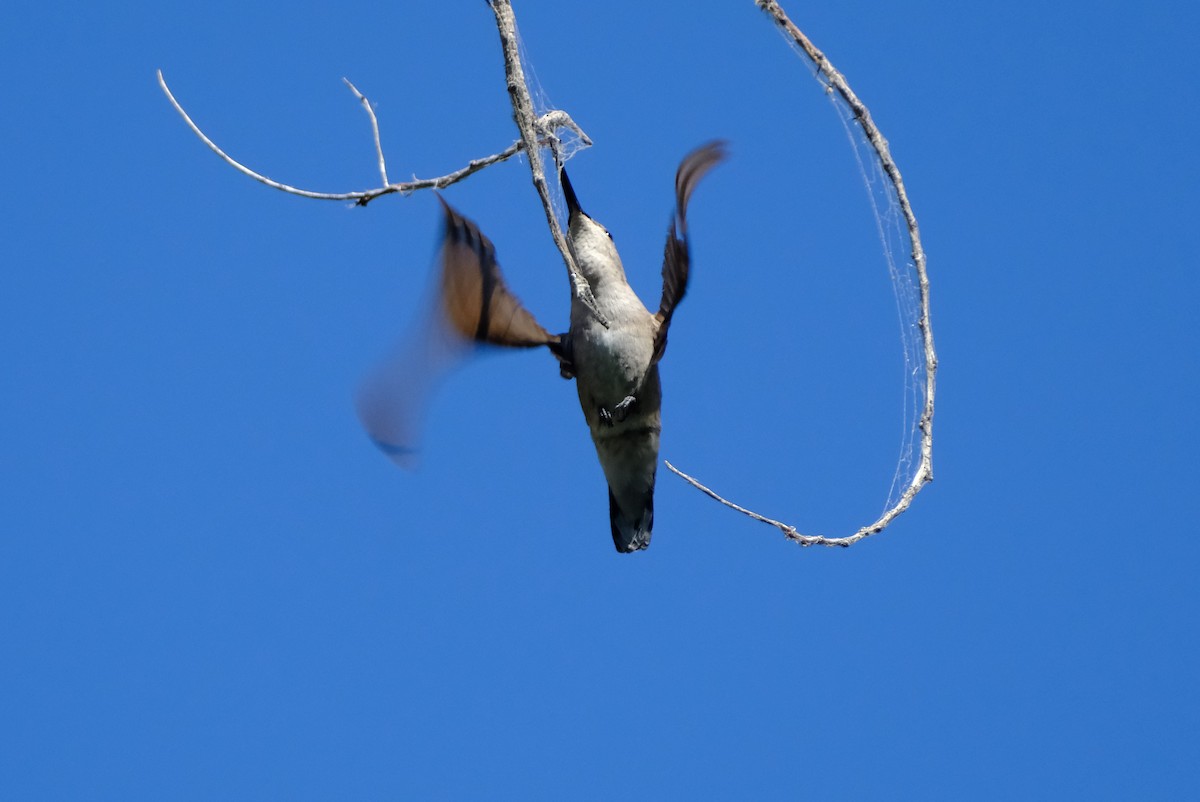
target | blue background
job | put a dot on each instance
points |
(213, 587)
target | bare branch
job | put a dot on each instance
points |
(364, 197)
(374, 129)
(788, 531)
(518, 94)
(924, 471)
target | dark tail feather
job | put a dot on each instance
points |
(630, 535)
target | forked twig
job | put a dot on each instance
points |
(535, 132)
(364, 197)
(924, 472)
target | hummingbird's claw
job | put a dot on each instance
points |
(618, 413)
(622, 409)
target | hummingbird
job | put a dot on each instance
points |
(614, 361)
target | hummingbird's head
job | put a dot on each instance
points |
(590, 242)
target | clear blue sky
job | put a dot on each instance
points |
(212, 586)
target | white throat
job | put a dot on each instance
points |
(595, 253)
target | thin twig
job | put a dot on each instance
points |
(374, 129)
(789, 531)
(522, 105)
(364, 197)
(924, 471)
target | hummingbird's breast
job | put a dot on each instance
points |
(613, 363)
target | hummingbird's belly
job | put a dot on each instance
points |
(612, 363)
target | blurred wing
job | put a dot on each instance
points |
(472, 305)
(394, 398)
(477, 302)
(676, 259)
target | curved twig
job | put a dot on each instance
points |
(789, 531)
(924, 472)
(364, 197)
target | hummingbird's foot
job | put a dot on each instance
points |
(618, 413)
(622, 409)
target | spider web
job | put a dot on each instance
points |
(897, 247)
(565, 141)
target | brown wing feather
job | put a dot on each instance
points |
(475, 298)
(676, 259)
(472, 305)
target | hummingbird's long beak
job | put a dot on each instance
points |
(573, 207)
